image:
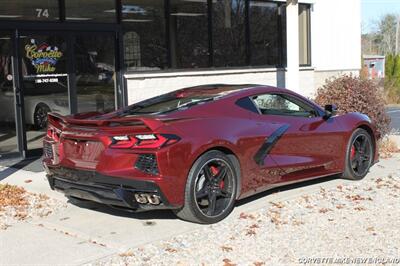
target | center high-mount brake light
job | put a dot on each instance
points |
(143, 141)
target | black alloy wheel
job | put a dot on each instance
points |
(359, 156)
(211, 188)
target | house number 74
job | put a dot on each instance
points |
(42, 12)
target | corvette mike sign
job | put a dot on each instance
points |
(43, 57)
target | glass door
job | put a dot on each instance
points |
(57, 72)
(94, 57)
(8, 136)
(44, 80)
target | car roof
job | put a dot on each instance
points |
(225, 89)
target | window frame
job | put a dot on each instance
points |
(308, 25)
(317, 111)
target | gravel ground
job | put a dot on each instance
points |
(360, 220)
(20, 205)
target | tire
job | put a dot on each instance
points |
(359, 155)
(40, 116)
(210, 190)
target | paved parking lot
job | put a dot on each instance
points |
(394, 113)
(91, 233)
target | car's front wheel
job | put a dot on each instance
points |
(210, 191)
(359, 155)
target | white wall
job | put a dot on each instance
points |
(141, 87)
(336, 35)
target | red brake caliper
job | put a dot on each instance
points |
(214, 171)
(352, 152)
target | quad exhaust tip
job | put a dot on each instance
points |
(146, 198)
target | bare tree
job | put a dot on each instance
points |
(386, 34)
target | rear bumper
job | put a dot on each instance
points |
(112, 191)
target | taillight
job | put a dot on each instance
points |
(122, 142)
(53, 134)
(143, 141)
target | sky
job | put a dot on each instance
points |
(372, 10)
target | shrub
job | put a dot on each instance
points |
(392, 78)
(352, 94)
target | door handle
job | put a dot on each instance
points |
(18, 96)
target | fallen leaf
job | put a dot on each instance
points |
(250, 232)
(254, 226)
(228, 262)
(246, 216)
(128, 253)
(278, 205)
(226, 248)
(306, 198)
(359, 208)
(171, 250)
(297, 222)
(324, 210)
(355, 197)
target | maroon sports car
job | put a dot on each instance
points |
(198, 150)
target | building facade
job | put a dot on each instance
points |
(72, 56)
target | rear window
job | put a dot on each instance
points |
(168, 103)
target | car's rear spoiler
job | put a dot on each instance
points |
(60, 121)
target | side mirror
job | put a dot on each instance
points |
(330, 110)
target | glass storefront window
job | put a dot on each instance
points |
(264, 33)
(45, 85)
(8, 138)
(144, 38)
(90, 11)
(182, 40)
(188, 34)
(29, 10)
(95, 72)
(229, 33)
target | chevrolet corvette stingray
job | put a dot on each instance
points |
(197, 150)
